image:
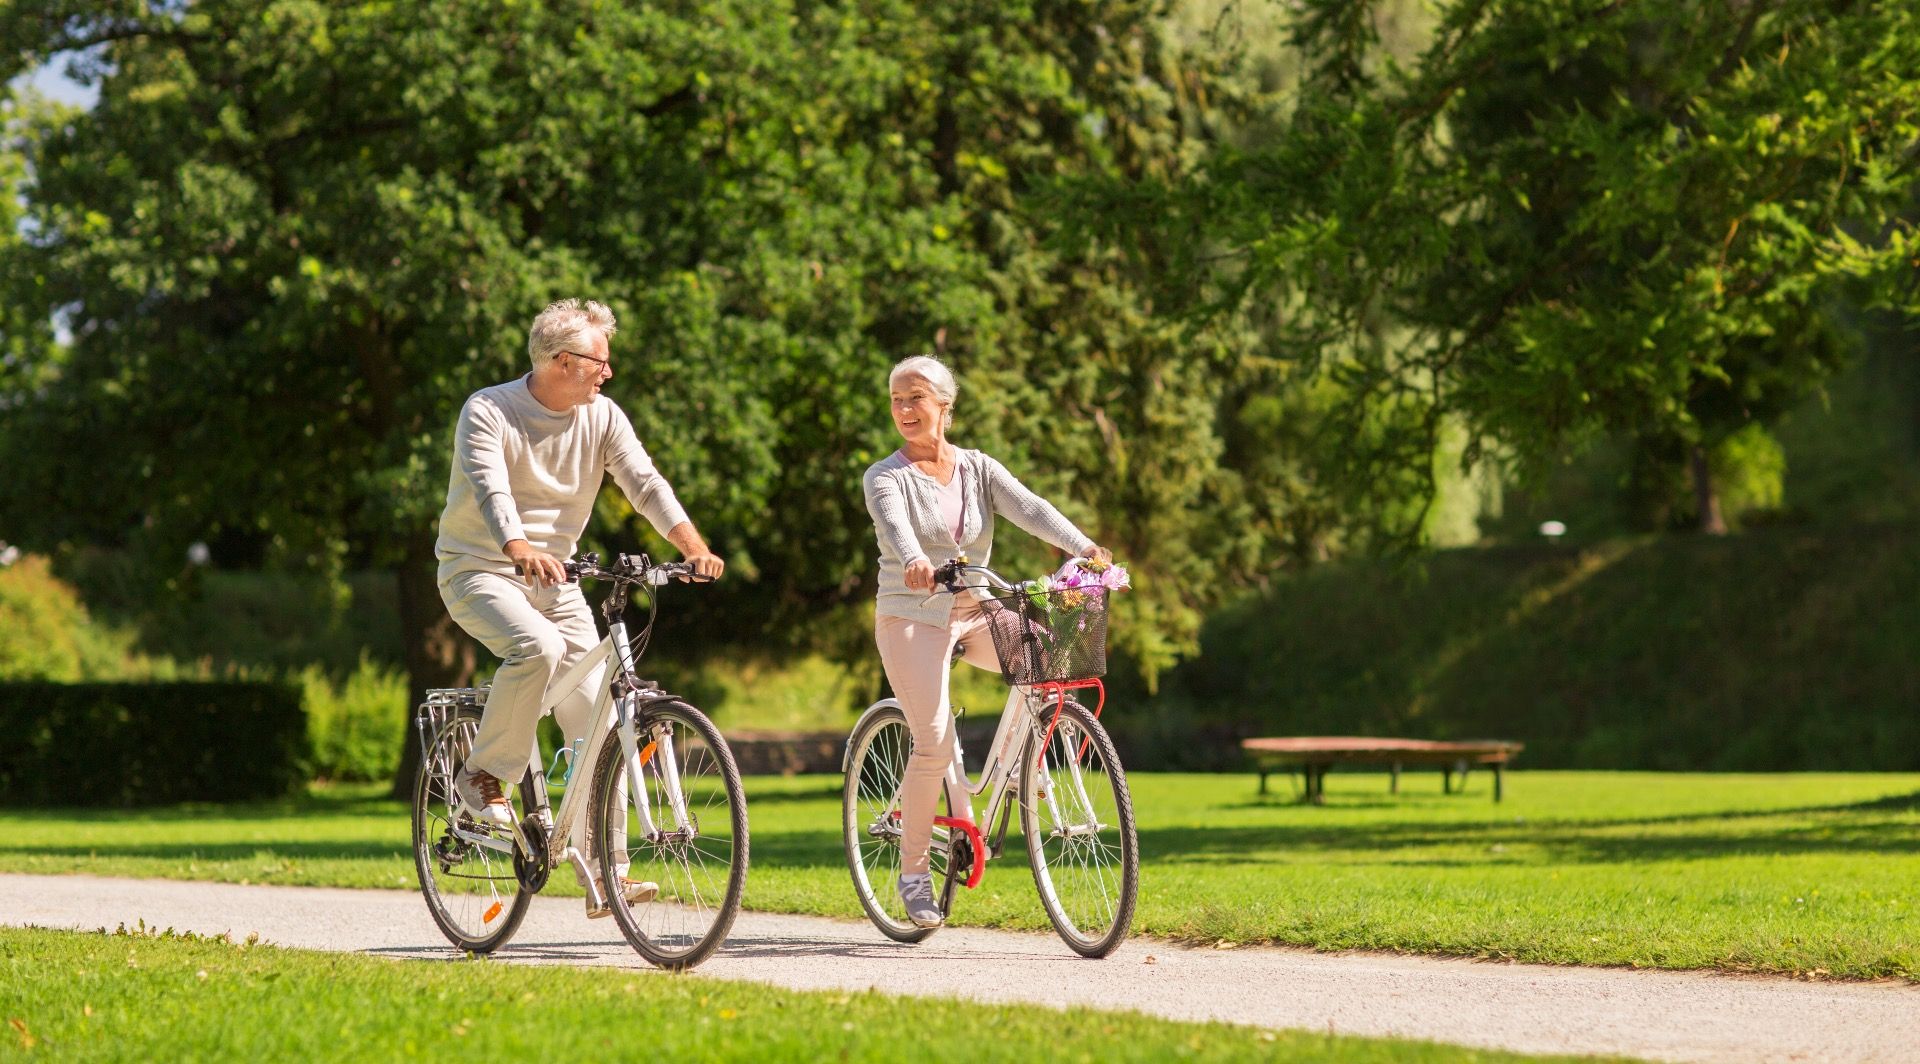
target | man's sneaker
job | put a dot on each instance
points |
(481, 798)
(638, 892)
(917, 892)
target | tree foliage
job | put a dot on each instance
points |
(1562, 219)
(292, 236)
(1225, 328)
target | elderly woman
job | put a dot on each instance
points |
(931, 500)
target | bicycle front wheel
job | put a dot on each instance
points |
(692, 842)
(1077, 816)
(472, 891)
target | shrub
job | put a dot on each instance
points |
(45, 633)
(356, 726)
(149, 743)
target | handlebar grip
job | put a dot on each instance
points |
(660, 574)
(587, 563)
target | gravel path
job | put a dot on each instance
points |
(1530, 1008)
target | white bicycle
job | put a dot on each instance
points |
(662, 803)
(1075, 810)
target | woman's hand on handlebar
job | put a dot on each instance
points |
(1097, 553)
(920, 575)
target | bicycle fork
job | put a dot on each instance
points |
(1085, 820)
(636, 758)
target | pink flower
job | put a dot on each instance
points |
(1074, 575)
(1068, 576)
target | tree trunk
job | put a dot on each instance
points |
(1705, 499)
(438, 653)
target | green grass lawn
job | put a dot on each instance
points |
(75, 996)
(1808, 874)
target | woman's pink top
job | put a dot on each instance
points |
(953, 501)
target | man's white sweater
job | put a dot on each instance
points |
(522, 471)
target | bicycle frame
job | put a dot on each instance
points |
(999, 774)
(617, 710)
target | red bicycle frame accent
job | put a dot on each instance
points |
(1057, 690)
(972, 831)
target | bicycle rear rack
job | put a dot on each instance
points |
(439, 708)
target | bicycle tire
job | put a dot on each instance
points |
(1079, 857)
(877, 752)
(651, 927)
(432, 786)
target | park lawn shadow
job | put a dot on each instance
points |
(1417, 803)
(798, 849)
(222, 851)
(1568, 842)
(315, 803)
(781, 797)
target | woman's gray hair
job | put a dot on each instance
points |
(567, 325)
(937, 376)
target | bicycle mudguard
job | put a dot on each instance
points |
(846, 756)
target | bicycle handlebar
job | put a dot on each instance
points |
(949, 575)
(632, 569)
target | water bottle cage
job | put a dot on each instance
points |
(572, 755)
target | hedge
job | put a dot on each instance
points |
(140, 744)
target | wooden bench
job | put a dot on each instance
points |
(1313, 755)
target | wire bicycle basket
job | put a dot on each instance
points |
(1049, 636)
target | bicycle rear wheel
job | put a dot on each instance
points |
(1077, 816)
(472, 891)
(877, 753)
(701, 865)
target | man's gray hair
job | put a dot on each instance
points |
(567, 326)
(937, 376)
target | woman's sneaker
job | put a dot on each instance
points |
(916, 891)
(638, 892)
(482, 798)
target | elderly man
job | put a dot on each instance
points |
(529, 457)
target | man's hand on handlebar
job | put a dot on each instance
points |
(539, 567)
(707, 565)
(694, 550)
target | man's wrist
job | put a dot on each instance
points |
(686, 539)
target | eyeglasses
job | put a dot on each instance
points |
(589, 358)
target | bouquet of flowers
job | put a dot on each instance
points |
(1077, 583)
(1055, 627)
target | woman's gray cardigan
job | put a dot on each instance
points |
(905, 504)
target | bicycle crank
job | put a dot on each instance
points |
(532, 871)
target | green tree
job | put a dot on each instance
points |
(1566, 219)
(26, 336)
(292, 236)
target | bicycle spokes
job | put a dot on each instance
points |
(678, 832)
(1079, 832)
(872, 811)
(466, 870)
